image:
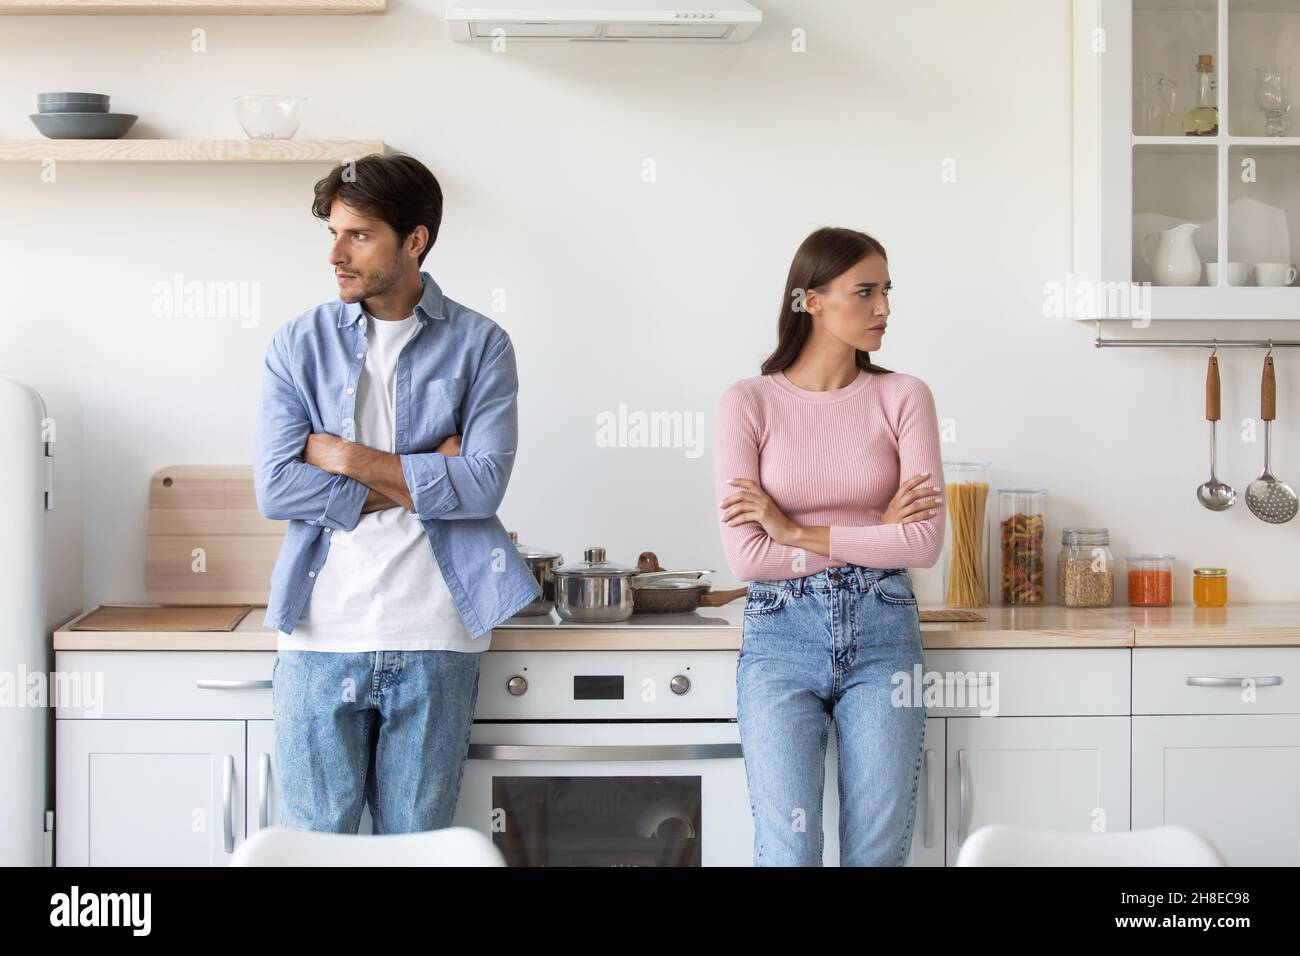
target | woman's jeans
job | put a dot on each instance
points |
(821, 647)
(386, 727)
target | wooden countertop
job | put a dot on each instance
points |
(1269, 625)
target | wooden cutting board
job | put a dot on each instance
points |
(206, 542)
(128, 617)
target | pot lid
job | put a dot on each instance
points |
(673, 584)
(529, 552)
(595, 564)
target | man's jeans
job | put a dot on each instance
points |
(821, 647)
(388, 727)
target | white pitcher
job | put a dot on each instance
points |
(1174, 261)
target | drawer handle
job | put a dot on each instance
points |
(210, 684)
(1272, 680)
(630, 752)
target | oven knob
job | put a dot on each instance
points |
(680, 684)
(517, 685)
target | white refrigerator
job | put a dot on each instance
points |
(41, 577)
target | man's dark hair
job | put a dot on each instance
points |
(394, 188)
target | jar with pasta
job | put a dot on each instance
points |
(966, 492)
(1022, 536)
(1085, 571)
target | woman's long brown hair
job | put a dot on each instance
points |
(824, 255)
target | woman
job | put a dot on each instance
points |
(809, 459)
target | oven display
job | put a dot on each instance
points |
(598, 687)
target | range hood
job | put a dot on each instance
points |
(717, 21)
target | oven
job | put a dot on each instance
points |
(618, 758)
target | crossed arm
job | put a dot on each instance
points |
(328, 481)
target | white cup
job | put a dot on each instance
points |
(1236, 273)
(1274, 273)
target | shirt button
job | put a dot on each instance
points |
(311, 574)
(328, 530)
(361, 355)
(349, 390)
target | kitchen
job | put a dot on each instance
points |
(686, 172)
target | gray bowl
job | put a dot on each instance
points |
(73, 106)
(72, 102)
(83, 125)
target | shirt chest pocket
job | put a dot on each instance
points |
(436, 408)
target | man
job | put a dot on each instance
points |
(386, 438)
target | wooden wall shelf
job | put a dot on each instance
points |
(224, 7)
(187, 150)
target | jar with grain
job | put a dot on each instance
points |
(1085, 571)
(1150, 580)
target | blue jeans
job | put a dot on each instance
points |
(390, 727)
(821, 647)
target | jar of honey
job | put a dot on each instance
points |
(1150, 580)
(1210, 587)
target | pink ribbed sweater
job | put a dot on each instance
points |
(832, 458)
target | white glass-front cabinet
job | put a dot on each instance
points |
(1138, 176)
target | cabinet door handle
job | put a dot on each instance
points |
(1271, 680)
(228, 803)
(963, 794)
(214, 684)
(264, 791)
(927, 829)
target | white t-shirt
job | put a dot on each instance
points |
(380, 588)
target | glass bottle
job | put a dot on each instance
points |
(1203, 119)
(966, 491)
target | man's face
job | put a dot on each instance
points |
(365, 254)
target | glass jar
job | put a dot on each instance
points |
(966, 491)
(1085, 571)
(1150, 580)
(1022, 537)
(1210, 587)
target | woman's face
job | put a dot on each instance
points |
(854, 306)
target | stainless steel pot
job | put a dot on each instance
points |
(542, 564)
(594, 591)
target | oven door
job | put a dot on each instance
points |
(609, 794)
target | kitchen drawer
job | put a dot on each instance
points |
(1160, 680)
(164, 684)
(1033, 682)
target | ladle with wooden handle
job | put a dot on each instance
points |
(1269, 499)
(1214, 494)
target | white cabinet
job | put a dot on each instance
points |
(1051, 773)
(1216, 747)
(149, 792)
(1137, 174)
(1234, 779)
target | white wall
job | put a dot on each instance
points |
(657, 295)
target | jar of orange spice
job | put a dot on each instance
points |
(1150, 580)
